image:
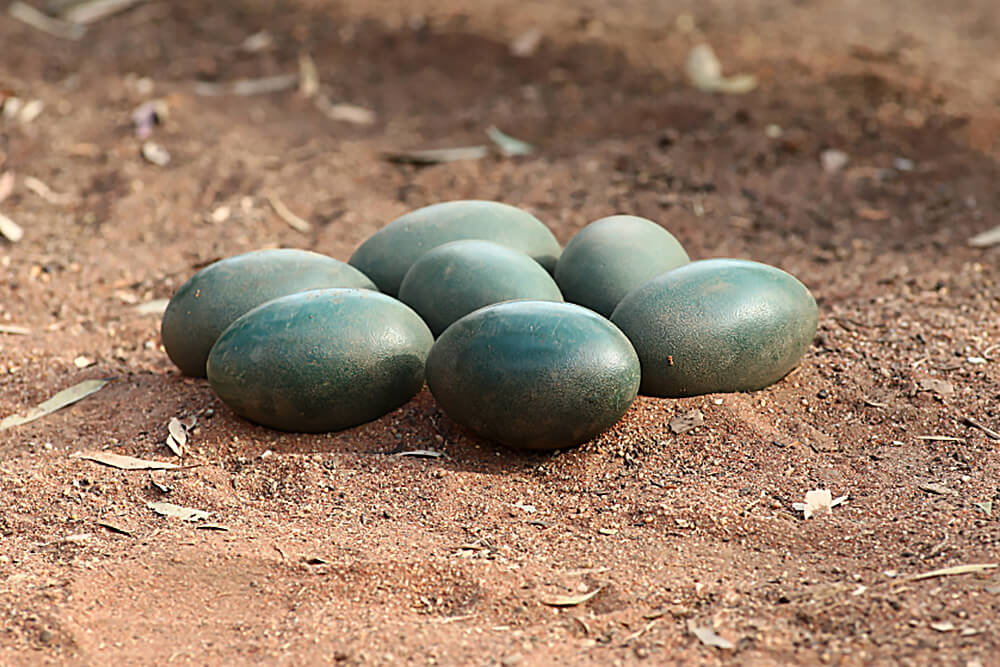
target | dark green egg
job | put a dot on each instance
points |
(215, 296)
(456, 278)
(718, 325)
(534, 375)
(321, 360)
(388, 254)
(612, 256)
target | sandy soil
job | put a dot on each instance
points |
(329, 549)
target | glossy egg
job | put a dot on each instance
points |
(215, 296)
(612, 256)
(534, 375)
(390, 252)
(321, 360)
(717, 325)
(456, 278)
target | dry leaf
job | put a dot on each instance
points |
(705, 72)
(177, 511)
(6, 183)
(816, 500)
(91, 11)
(507, 144)
(40, 21)
(438, 155)
(687, 421)
(422, 454)
(10, 229)
(527, 43)
(123, 462)
(939, 387)
(708, 637)
(308, 75)
(347, 113)
(952, 571)
(990, 237)
(294, 221)
(41, 189)
(176, 436)
(572, 600)
(246, 87)
(156, 154)
(60, 400)
(154, 307)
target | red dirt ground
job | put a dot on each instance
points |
(337, 551)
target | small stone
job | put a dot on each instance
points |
(833, 160)
(511, 660)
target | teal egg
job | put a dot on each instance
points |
(456, 278)
(215, 296)
(534, 375)
(321, 360)
(612, 256)
(390, 252)
(718, 325)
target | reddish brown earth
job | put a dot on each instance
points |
(337, 550)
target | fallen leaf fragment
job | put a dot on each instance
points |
(687, 421)
(247, 87)
(41, 189)
(91, 11)
(40, 21)
(708, 637)
(6, 181)
(422, 453)
(123, 462)
(990, 237)
(508, 145)
(438, 155)
(154, 307)
(178, 512)
(346, 113)
(572, 600)
(937, 489)
(308, 76)
(114, 528)
(176, 436)
(214, 526)
(10, 229)
(817, 500)
(60, 400)
(952, 571)
(527, 43)
(939, 387)
(156, 154)
(986, 507)
(285, 213)
(705, 72)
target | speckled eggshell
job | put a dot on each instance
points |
(390, 252)
(322, 360)
(215, 296)
(718, 325)
(612, 256)
(456, 278)
(534, 375)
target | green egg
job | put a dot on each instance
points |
(390, 252)
(215, 296)
(456, 278)
(718, 325)
(612, 256)
(534, 375)
(321, 360)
